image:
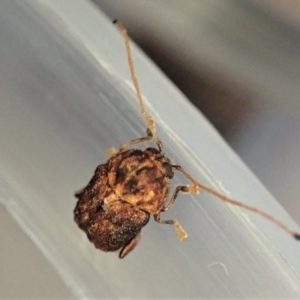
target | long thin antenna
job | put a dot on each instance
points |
(251, 208)
(132, 71)
(198, 186)
(148, 119)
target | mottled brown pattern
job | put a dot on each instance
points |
(116, 204)
(140, 178)
(91, 197)
(116, 225)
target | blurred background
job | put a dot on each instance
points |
(239, 63)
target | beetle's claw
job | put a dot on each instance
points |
(181, 232)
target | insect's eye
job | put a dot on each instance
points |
(153, 150)
(169, 171)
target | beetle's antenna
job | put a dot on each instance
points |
(148, 119)
(197, 186)
(253, 209)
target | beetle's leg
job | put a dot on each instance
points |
(149, 137)
(181, 232)
(130, 246)
(179, 188)
(182, 188)
(195, 188)
(78, 193)
(137, 141)
(111, 151)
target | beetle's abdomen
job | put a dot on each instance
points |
(139, 178)
(115, 225)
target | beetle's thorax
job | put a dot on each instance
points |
(141, 177)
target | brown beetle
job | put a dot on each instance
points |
(134, 184)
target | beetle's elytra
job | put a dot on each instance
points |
(134, 184)
(120, 197)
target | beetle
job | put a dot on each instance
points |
(133, 185)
